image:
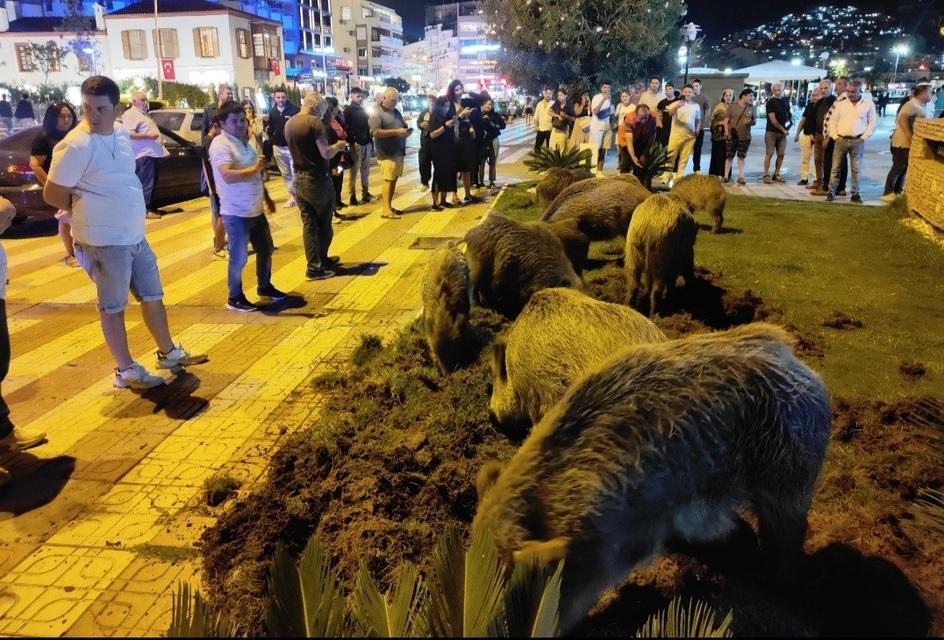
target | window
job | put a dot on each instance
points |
(362, 32)
(23, 60)
(362, 52)
(374, 34)
(366, 12)
(133, 44)
(168, 44)
(206, 43)
(242, 43)
(362, 71)
(378, 71)
(376, 52)
(345, 13)
(347, 49)
(266, 45)
(86, 61)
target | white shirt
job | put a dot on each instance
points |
(686, 119)
(603, 103)
(542, 115)
(107, 199)
(651, 100)
(139, 122)
(7, 213)
(851, 119)
(244, 197)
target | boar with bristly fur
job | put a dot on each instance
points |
(660, 247)
(663, 441)
(555, 181)
(510, 261)
(576, 242)
(703, 193)
(560, 334)
(447, 299)
(602, 207)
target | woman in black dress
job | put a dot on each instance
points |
(59, 120)
(334, 130)
(465, 140)
(442, 145)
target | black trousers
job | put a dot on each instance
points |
(624, 161)
(828, 167)
(426, 164)
(5, 425)
(696, 152)
(542, 139)
(716, 168)
(895, 181)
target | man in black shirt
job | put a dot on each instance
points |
(805, 137)
(309, 150)
(425, 157)
(664, 117)
(825, 142)
(358, 135)
(779, 121)
(278, 115)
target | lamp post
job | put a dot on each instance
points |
(899, 50)
(690, 34)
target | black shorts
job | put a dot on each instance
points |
(736, 147)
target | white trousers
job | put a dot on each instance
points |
(283, 159)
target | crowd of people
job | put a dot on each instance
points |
(836, 122)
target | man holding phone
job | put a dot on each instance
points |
(390, 132)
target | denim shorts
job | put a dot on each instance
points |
(116, 269)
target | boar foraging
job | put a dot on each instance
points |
(447, 295)
(555, 181)
(560, 334)
(662, 440)
(602, 207)
(660, 247)
(703, 193)
(510, 261)
(576, 242)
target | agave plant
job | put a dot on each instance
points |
(570, 157)
(696, 620)
(470, 593)
(656, 162)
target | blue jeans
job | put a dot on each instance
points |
(117, 268)
(855, 147)
(239, 232)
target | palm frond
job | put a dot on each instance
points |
(657, 161)
(396, 615)
(465, 587)
(570, 157)
(531, 602)
(305, 600)
(929, 512)
(191, 617)
(696, 620)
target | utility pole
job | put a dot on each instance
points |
(324, 64)
(157, 54)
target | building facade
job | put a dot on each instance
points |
(369, 36)
(431, 63)
(477, 54)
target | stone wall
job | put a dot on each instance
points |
(925, 182)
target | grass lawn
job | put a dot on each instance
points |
(813, 260)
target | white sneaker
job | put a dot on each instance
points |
(290, 203)
(136, 377)
(178, 357)
(20, 439)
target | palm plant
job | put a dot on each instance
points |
(656, 162)
(697, 620)
(569, 157)
(928, 512)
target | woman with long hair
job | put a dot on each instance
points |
(580, 134)
(59, 120)
(719, 133)
(334, 129)
(465, 141)
(442, 145)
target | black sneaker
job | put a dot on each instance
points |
(271, 292)
(803, 183)
(339, 205)
(366, 197)
(241, 304)
(856, 198)
(332, 261)
(319, 274)
(354, 201)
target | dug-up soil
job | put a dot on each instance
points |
(393, 457)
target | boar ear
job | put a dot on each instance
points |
(487, 477)
(499, 347)
(544, 551)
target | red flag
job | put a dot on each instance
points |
(167, 68)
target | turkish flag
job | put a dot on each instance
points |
(167, 68)
(274, 66)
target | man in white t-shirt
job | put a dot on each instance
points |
(601, 108)
(652, 96)
(11, 438)
(237, 173)
(92, 176)
(686, 123)
(146, 146)
(543, 123)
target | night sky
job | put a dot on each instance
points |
(716, 17)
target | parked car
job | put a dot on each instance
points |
(186, 123)
(178, 175)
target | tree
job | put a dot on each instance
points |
(44, 57)
(546, 42)
(82, 28)
(399, 84)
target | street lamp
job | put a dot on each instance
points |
(689, 34)
(899, 50)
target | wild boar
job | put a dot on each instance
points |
(602, 206)
(447, 299)
(703, 193)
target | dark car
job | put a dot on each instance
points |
(178, 175)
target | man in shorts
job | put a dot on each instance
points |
(601, 108)
(779, 121)
(92, 175)
(390, 133)
(741, 117)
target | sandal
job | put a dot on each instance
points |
(70, 261)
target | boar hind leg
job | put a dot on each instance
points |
(782, 529)
(589, 570)
(656, 294)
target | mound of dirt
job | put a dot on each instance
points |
(912, 370)
(842, 322)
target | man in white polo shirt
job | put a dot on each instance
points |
(601, 108)
(146, 146)
(237, 173)
(92, 175)
(686, 123)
